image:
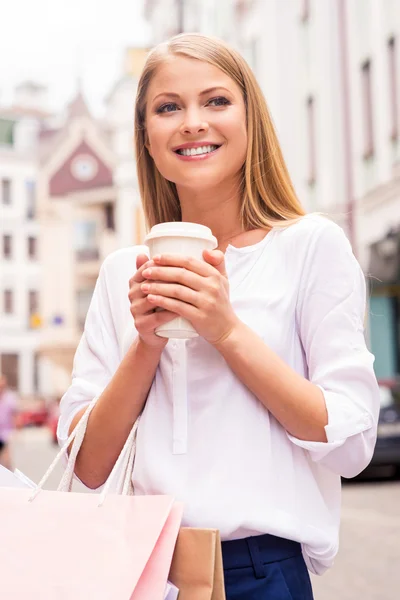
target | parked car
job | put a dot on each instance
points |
(33, 416)
(387, 449)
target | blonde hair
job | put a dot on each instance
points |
(269, 198)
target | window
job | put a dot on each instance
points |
(33, 302)
(85, 240)
(110, 216)
(6, 191)
(367, 109)
(8, 302)
(9, 365)
(394, 105)
(32, 247)
(6, 132)
(30, 187)
(180, 16)
(305, 9)
(83, 299)
(7, 246)
(311, 134)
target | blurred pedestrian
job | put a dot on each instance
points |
(252, 423)
(8, 412)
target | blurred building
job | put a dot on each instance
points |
(20, 265)
(76, 203)
(89, 206)
(69, 197)
(331, 74)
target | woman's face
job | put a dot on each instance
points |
(196, 124)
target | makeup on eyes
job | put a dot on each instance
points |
(221, 99)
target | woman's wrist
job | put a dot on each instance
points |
(150, 350)
(231, 338)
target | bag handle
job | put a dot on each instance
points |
(124, 461)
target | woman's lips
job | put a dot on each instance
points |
(197, 156)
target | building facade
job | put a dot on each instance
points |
(330, 71)
(68, 198)
(20, 264)
(76, 207)
(89, 206)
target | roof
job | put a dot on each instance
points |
(32, 85)
(78, 107)
(18, 112)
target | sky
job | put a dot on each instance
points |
(56, 42)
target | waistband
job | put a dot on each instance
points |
(257, 550)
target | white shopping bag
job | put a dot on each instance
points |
(171, 592)
(14, 480)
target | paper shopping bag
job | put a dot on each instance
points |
(64, 546)
(80, 546)
(196, 568)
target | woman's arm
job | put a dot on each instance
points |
(294, 401)
(333, 413)
(114, 414)
(120, 385)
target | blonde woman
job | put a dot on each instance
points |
(252, 423)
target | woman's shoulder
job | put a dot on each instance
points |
(120, 265)
(313, 230)
(124, 255)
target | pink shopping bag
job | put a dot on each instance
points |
(63, 546)
(60, 545)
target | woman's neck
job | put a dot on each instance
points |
(217, 209)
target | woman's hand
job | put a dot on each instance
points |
(193, 289)
(145, 317)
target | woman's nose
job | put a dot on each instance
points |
(193, 123)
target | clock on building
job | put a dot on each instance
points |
(84, 167)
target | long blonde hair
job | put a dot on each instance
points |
(269, 198)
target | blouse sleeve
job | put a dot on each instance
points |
(96, 358)
(330, 315)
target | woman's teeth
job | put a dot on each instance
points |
(197, 151)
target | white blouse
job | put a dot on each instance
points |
(204, 437)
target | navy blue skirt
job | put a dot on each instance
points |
(265, 567)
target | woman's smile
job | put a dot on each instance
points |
(196, 152)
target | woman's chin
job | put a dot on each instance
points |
(200, 182)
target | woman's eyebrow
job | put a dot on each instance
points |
(207, 91)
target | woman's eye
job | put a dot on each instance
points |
(170, 107)
(219, 101)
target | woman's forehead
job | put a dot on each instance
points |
(179, 74)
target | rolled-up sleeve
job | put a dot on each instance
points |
(331, 311)
(96, 358)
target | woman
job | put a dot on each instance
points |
(8, 411)
(252, 423)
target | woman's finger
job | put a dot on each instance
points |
(172, 290)
(183, 309)
(141, 306)
(138, 276)
(148, 322)
(175, 275)
(185, 262)
(216, 258)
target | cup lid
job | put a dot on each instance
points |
(181, 229)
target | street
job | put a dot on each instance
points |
(368, 564)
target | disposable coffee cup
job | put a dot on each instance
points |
(187, 239)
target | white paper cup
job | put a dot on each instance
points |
(187, 239)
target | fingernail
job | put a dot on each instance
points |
(146, 273)
(145, 287)
(157, 257)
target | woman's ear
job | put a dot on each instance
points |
(147, 143)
